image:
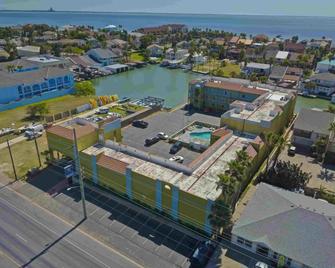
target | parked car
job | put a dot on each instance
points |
(177, 158)
(291, 151)
(102, 110)
(175, 148)
(33, 135)
(261, 265)
(140, 123)
(151, 141)
(203, 253)
(162, 136)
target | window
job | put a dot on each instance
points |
(275, 255)
(59, 80)
(240, 240)
(289, 261)
(262, 250)
(248, 243)
(20, 90)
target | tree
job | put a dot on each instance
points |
(270, 139)
(220, 217)
(331, 109)
(286, 175)
(281, 144)
(320, 148)
(227, 185)
(39, 109)
(85, 88)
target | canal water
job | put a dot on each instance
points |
(172, 85)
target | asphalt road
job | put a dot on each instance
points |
(32, 237)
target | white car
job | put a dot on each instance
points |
(177, 158)
(261, 265)
(162, 136)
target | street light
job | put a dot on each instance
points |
(82, 197)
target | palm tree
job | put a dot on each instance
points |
(227, 184)
(281, 144)
(220, 217)
(270, 139)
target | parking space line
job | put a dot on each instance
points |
(94, 211)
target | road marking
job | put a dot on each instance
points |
(9, 258)
(85, 234)
(19, 236)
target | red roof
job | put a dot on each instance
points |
(112, 164)
(251, 151)
(67, 133)
(221, 132)
(235, 87)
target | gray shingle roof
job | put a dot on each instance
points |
(103, 53)
(294, 225)
(314, 121)
(323, 76)
(8, 79)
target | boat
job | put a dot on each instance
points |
(333, 99)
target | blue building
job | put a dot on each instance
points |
(29, 85)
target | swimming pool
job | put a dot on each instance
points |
(205, 135)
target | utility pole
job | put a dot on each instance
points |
(11, 158)
(78, 171)
(37, 151)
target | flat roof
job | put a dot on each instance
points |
(43, 59)
(202, 182)
(282, 55)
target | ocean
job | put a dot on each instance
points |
(285, 26)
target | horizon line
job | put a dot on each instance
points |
(160, 13)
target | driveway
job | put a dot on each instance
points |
(321, 175)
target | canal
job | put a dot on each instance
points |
(172, 85)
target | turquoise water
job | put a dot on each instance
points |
(286, 26)
(153, 80)
(172, 85)
(201, 135)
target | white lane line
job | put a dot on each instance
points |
(66, 239)
(19, 236)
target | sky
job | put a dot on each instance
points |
(263, 7)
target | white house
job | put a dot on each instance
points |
(28, 51)
(282, 55)
(325, 66)
(155, 50)
(199, 58)
(280, 224)
(258, 68)
(320, 84)
(310, 126)
(180, 54)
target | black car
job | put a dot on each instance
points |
(140, 123)
(151, 141)
(175, 148)
(202, 254)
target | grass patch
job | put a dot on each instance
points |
(18, 116)
(216, 67)
(136, 56)
(24, 155)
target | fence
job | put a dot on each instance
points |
(138, 115)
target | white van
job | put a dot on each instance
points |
(35, 128)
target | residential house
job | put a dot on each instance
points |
(280, 224)
(257, 68)
(199, 58)
(277, 73)
(156, 50)
(183, 45)
(234, 40)
(294, 47)
(310, 126)
(103, 56)
(245, 42)
(261, 38)
(28, 51)
(117, 43)
(178, 55)
(282, 56)
(326, 66)
(163, 29)
(136, 38)
(68, 42)
(320, 84)
(219, 41)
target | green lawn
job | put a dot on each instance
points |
(24, 155)
(122, 109)
(57, 105)
(136, 57)
(216, 68)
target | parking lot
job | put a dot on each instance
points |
(321, 175)
(148, 231)
(169, 123)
